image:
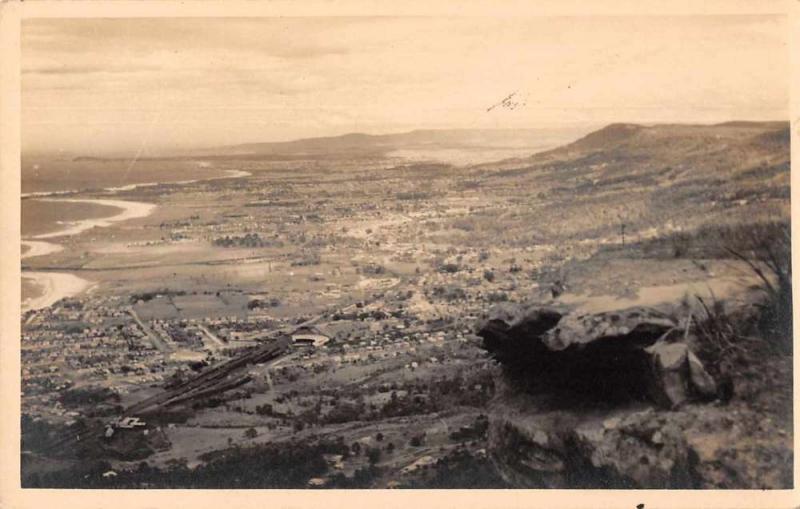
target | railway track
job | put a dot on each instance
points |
(211, 381)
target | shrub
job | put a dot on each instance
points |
(449, 268)
(373, 455)
(766, 249)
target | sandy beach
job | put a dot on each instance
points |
(55, 286)
(129, 210)
(39, 248)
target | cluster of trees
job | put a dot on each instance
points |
(247, 240)
(448, 268)
(38, 433)
(450, 293)
(285, 465)
(272, 302)
(148, 296)
(417, 440)
(475, 431)
(362, 478)
(79, 397)
(180, 334)
(73, 327)
(497, 297)
(412, 195)
(71, 303)
(266, 409)
(463, 389)
(460, 469)
(375, 314)
(373, 269)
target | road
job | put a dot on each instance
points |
(215, 342)
(158, 343)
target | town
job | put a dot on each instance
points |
(333, 309)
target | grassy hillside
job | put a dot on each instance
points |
(652, 179)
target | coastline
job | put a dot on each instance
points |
(55, 286)
(39, 248)
(129, 210)
(131, 187)
(58, 285)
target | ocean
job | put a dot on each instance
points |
(41, 175)
(41, 215)
(44, 176)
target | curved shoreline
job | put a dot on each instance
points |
(55, 286)
(58, 285)
(40, 248)
(131, 187)
(129, 210)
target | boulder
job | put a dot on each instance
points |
(640, 325)
(606, 400)
(678, 375)
(608, 357)
(669, 385)
(701, 381)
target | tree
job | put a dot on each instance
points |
(250, 433)
(373, 455)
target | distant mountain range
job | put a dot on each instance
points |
(632, 138)
(670, 142)
(690, 163)
(360, 144)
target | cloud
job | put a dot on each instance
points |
(274, 78)
(286, 38)
(65, 69)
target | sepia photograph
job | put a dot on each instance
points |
(411, 252)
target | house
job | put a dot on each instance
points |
(309, 336)
(420, 463)
(130, 423)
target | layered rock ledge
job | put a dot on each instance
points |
(590, 400)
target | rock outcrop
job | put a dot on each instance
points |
(584, 400)
(615, 356)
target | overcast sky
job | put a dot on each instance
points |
(120, 84)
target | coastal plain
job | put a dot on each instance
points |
(395, 263)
